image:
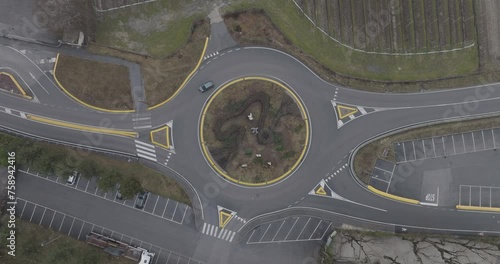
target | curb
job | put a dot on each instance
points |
(16, 83)
(185, 80)
(392, 196)
(80, 101)
(478, 208)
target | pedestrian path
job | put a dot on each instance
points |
(220, 233)
(145, 150)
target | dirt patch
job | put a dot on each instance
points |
(163, 76)
(245, 155)
(6, 83)
(364, 161)
(96, 83)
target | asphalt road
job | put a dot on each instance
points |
(329, 150)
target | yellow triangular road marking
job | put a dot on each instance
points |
(321, 190)
(345, 111)
(224, 218)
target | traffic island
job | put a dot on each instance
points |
(254, 131)
(8, 83)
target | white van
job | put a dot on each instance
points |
(146, 257)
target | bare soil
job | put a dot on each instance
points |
(96, 83)
(280, 138)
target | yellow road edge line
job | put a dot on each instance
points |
(78, 100)
(81, 127)
(223, 173)
(18, 86)
(478, 208)
(167, 135)
(185, 80)
(392, 196)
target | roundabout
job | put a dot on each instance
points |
(254, 131)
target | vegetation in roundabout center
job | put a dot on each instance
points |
(254, 131)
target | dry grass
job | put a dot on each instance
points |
(163, 76)
(366, 156)
(96, 83)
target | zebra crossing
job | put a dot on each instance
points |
(211, 55)
(145, 150)
(220, 233)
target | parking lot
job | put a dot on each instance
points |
(291, 229)
(78, 229)
(481, 196)
(382, 174)
(155, 205)
(447, 145)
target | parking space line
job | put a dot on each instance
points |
(453, 141)
(382, 169)
(326, 230)
(96, 188)
(463, 142)
(414, 151)
(304, 227)
(88, 182)
(434, 146)
(80, 233)
(157, 198)
(50, 225)
(390, 180)
(376, 178)
(493, 134)
(278, 230)
(404, 151)
(72, 223)
(248, 241)
(21, 215)
(64, 217)
(320, 221)
(184, 215)
(484, 142)
(159, 254)
(32, 213)
(169, 253)
(175, 210)
(44, 210)
(168, 200)
(265, 232)
(423, 146)
(291, 228)
(473, 141)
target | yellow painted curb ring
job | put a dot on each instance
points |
(223, 173)
(392, 196)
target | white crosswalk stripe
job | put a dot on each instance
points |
(145, 150)
(211, 55)
(220, 233)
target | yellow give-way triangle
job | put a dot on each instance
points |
(345, 111)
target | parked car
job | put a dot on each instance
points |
(141, 200)
(73, 177)
(205, 87)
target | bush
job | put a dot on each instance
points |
(248, 152)
(109, 178)
(129, 186)
(88, 168)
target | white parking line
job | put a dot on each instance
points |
(184, 215)
(72, 223)
(21, 215)
(484, 142)
(473, 141)
(315, 229)
(168, 200)
(80, 233)
(60, 226)
(453, 141)
(444, 146)
(248, 241)
(423, 146)
(39, 223)
(265, 232)
(414, 151)
(326, 230)
(175, 210)
(463, 142)
(404, 151)
(278, 230)
(494, 143)
(88, 182)
(50, 225)
(434, 147)
(32, 213)
(291, 228)
(304, 227)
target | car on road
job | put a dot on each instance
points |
(141, 200)
(73, 177)
(205, 87)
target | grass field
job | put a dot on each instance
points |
(395, 26)
(171, 37)
(63, 249)
(366, 156)
(96, 83)
(319, 50)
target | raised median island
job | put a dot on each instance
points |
(254, 132)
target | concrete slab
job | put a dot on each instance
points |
(469, 142)
(419, 149)
(488, 139)
(429, 148)
(459, 143)
(436, 186)
(478, 140)
(439, 146)
(384, 165)
(409, 150)
(380, 174)
(449, 148)
(399, 152)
